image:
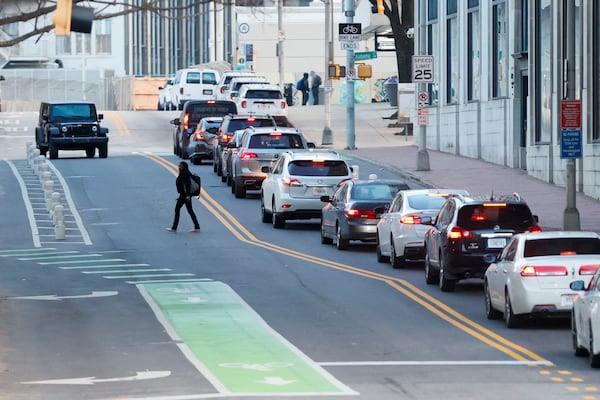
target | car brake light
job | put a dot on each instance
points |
(543, 270)
(248, 155)
(410, 220)
(459, 233)
(534, 229)
(243, 104)
(186, 121)
(199, 135)
(211, 102)
(275, 134)
(226, 137)
(290, 182)
(588, 269)
(283, 104)
(181, 90)
(494, 204)
(318, 161)
(369, 214)
(222, 89)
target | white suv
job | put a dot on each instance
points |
(261, 99)
(295, 184)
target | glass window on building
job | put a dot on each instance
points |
(453, 51)
(63, 45)
(83, 42)
(103, 35)
(596, 74)
(433, 46)
(543, 70)
(473, 51)
(500, 49)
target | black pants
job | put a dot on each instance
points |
(181, 200)
(304, 97)
(315, 93)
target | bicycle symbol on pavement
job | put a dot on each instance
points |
(258, 367)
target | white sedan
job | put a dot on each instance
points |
(585, 319)
(531, 277)
(401, 232)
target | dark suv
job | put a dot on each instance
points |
(70, 126)
(467, 229)
(232, 123)
(193, 111)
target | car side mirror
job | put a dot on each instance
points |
(100, 117)
(490, 258)
(310, 145)
(426, 220)
(325, 199)
(175, 121)
(380, 210)
(577, 285)
(45, 117)
(264, 169)
(231, 145)
(536, 219)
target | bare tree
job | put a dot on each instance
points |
(400, 14)
(38, 13)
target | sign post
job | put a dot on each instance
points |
(423, 73)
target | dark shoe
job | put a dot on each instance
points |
(170, 230)
(195, 230)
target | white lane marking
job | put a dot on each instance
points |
(127, 271)
(145, 276)
(105, 266)
(55, 297)
(412, 363)
(90, 380)
(82, 261)
(69, 200)
(28, 207)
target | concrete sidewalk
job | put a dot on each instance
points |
(388, 147)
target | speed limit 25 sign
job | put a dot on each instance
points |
(422, 67)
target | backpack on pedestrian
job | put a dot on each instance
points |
(317, 81)
(195, 185)
(299, 84)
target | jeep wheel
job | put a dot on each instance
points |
(90, 152)
(53, 150)
(103, 151)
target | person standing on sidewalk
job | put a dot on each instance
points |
(184, 187)
(304, 88)
(315, 83)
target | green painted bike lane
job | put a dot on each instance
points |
(231, 342)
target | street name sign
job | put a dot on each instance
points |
(364, 55)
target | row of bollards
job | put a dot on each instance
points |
(53, 201)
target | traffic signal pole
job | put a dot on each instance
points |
(350, 135)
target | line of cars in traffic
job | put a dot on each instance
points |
(526, 273)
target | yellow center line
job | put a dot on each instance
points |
(422, 298)
(122, 128)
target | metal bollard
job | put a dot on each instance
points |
(59, 222)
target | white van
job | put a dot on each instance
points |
(226, 77)
(194, 84)
(236, 84)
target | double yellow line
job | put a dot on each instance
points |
(430, 303)
(122, 128)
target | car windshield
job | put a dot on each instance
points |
(426, 202)
(318, 168)
(561, 246)
(276, 141)
(376, 191)
(508, 216)
(73, 111)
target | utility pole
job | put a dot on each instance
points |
(571, 214)
(350, 135)
(327, 136)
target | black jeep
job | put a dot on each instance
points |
(70, 126)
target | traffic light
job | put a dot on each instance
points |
(336, 71)
(377, 6)
(68, 17)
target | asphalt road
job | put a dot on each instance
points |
(239, 309)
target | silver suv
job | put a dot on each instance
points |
(258, 148)
(296, 183)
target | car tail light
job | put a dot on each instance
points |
(283, 105)
(459, 233)
(275, 134)
(248, 155)
(534, 229)
(186, 122)
(199, 135)
(368, 214)
(410, 220)
(291, 182)
(543, 270)
(225, 137)
(181, 90)
(494, 204)
(588, 269)
(243, 104)
(222, 89)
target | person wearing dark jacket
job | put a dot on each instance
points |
(183, 183)
(304, 88)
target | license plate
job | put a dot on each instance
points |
(319, 191)
(496, 243)
(207, 91)
(566, 300)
